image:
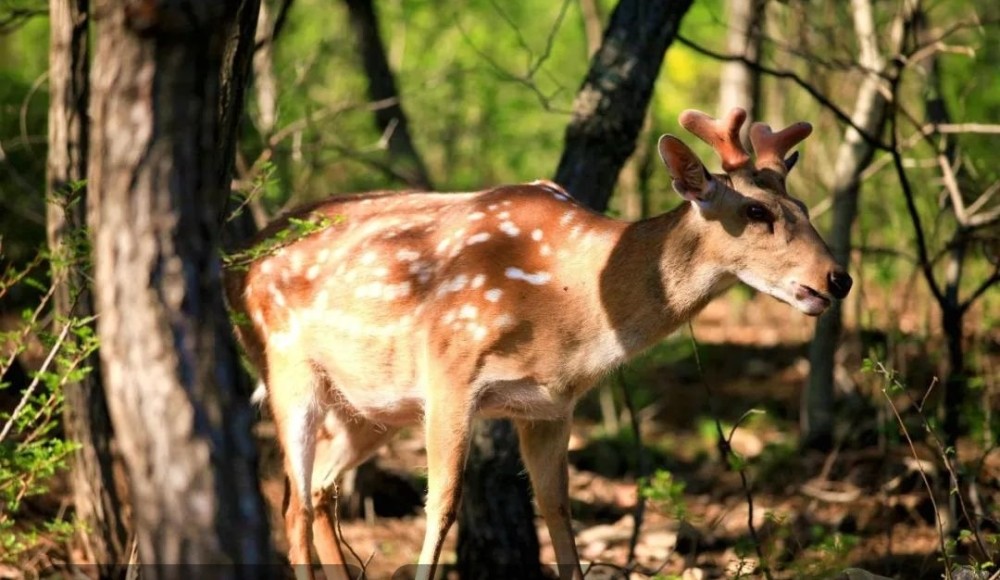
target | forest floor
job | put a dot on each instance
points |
(862, 504)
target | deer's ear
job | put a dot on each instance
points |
(690, 178)
(791, 160)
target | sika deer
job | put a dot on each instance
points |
(510, 302)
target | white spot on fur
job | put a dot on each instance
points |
(477, 238)
(371, 290)
(368, 258)
(443, 245)
(478, 280)
(407, 255)
(279, 298)
(266, 266)
(453, 285)
(536, 235)
(394, 291)
(503, 215)
(545, 250)
(510, 229)
(468, 312)
(493, 294)
(537, 279)
(504, 321)
(479, 333)
(476, 216)
(312, 272)
(492, 207)
(323, 256)
(566, 218)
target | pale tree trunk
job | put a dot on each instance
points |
(160, 152)
(853, 156)
(98, 508)
(740, 83)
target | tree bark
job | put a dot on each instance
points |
(158, 154)
(612, 102)
(98, 508)
(490, 511)
(390, 119)
(740, 83)
(853, 156)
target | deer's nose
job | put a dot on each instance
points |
(840, 283)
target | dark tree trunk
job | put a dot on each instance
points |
(486, 549)
(158, 154)
(608, 116)
(611, 104)
(390, 118)
(96, 502)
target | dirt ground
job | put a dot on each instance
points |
(862, 504)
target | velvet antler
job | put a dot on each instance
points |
(722, 134)
(771, 147)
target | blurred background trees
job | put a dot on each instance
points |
(359, 95)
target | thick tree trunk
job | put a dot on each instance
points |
(611, 104)
(490, 511)
(390, 118)
(853, 156)
(157, 158)
(85, 416)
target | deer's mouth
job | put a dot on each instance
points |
(810, 300)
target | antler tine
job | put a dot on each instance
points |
(722, 134)
(772, 147)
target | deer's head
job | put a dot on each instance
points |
(751, 225)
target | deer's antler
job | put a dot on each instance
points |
(771, 147)
(722, 134)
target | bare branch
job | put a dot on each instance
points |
(814, 92)
(978, 292)
(926, 265)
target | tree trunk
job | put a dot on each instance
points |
(486, 548)
(612, 102)
(390, 118)
(158, 153)
(608, 116)
(98, 508)
(740, 84)
(853, 156)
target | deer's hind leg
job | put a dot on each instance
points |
(345, 442)
(292, 390)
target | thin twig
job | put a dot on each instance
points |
(638, 513)
(34, 382)
(727, 451)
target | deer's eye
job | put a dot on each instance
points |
(758, 213)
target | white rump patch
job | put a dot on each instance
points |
(538, 278)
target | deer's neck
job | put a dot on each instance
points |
(659, 275)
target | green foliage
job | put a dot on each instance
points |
(31, 449)
(296, 229)
(666, 493)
